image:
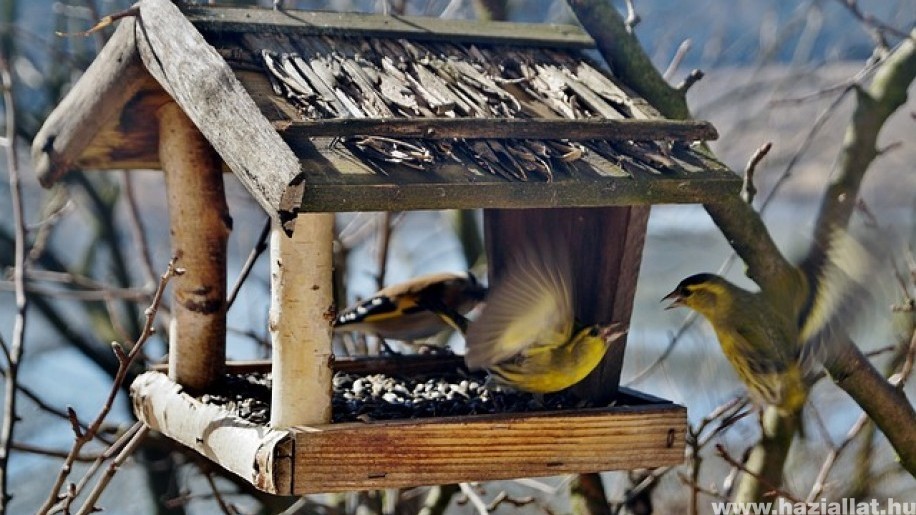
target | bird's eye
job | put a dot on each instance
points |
(593, 331)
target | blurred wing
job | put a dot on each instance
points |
(531, 306)
(842, 278)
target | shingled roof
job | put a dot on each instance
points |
(344, 112)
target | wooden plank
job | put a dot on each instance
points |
(610, 191)
(335, 458)
(234, 19)
(95, 102)
(403, 453)
(503, 128)
(628, 244)
(301, 307)
(128, 140)
(243, 448)
(201, 82)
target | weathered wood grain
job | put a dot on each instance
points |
(409, 453)
(201, 82)
(503, 128)
(597, 193)
(94, 107)
(231, 19)
(403, 453)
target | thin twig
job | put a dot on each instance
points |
(896, 379)
(815, 129)
(53, 453)
(113, 467)
(89, 295)
(14, 352)
(136, 229)
(679, 55)
(873, 23)
(384, 242)
(31, 395)
(748, 190)
(474, 498)
(699, 488)
(774, 489)
(633, 18)
(259, 247)
(124, 362)
(226, 508)
(504, 498)
(820, 481)
(692, 78)
(729, 414)
(899, 379)
(112, 449)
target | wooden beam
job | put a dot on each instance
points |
(301, 312)
(201, 82)
(229, 19)
(618, 303)
(98, 98)
(199, 225)
(408, 453)
(503, 128)
(605, 191)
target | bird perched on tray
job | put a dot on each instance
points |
(415, 309)
(527, 336)
(773, 340)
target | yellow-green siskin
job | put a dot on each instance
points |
(773, 340)
(527, 336)
(415, 309)
(758, 341)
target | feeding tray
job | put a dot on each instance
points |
(638, 431)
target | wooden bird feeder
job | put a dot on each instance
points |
(317, 113)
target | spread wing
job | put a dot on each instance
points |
(530, 307)
(842, 276)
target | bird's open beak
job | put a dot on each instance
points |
(675, 297)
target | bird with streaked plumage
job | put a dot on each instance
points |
(527, 336)
(774, 339)
(415, 309)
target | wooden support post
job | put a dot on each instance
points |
(199, 225)
(300, 321)
(606, 250)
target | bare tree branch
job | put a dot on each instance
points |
(748, 190)
(259, 247)
(125, 361)
(113, 467)
(14, 352)
(136, 229)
